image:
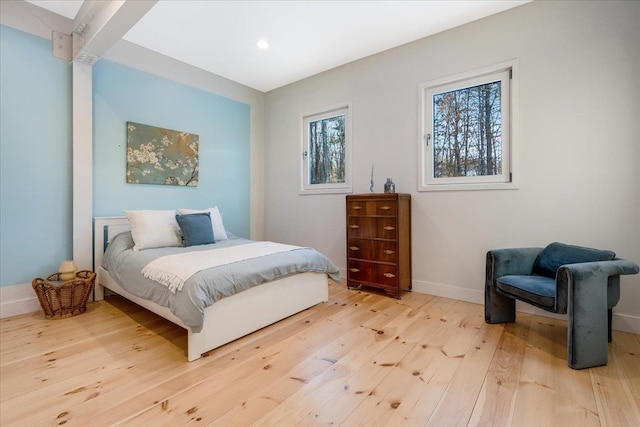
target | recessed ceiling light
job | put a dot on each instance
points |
(262, 44)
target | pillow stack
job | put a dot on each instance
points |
(163, 228)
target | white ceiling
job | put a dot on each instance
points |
(305, 37)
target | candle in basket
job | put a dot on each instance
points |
(67, 270)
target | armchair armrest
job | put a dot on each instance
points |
(502, 262)
(589, 290)
(582, 278)
(615, 267)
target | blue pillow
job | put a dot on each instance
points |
(557, 254)
(196, 228)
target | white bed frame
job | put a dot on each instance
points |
(231, 317)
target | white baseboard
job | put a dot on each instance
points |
(18, 299)
(621, 322)
(446, 291)
(626, 323)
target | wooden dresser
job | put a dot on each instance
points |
(379, 241)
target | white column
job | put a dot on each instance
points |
(97, 26)
(82, 165)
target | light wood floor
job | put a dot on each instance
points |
(360, 359)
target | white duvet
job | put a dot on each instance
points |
(174, 270)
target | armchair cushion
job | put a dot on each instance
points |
(558, 254)
(539, 290)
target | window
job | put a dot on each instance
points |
(467, 136)
(326, 152)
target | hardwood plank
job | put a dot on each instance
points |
(227, 357)
(43, 335)
(211, 401)
(536, 388)
(261, 367)
(626, 347)
(420, 400)
(72, 392)
(575, 403)
(54, 366)
(397, 349)
(360, 359)
(413, 372)
(334, 407)
(313, 367)
(148, 379)
(456, 405)
(614, 399)
(324, 387)
(498, 395)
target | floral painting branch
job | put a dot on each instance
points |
(161, 156)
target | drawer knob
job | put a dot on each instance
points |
(388, 252)
(354, 248)
(389, 228)
(356, 208)
(354, 270)
(354, 226)
(385, 208)
(389, 275)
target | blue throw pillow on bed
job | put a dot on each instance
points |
(196, 228)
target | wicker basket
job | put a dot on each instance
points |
(64, 299)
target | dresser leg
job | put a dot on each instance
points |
(354, 287)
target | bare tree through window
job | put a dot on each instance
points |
(326, 154)
(467, 131)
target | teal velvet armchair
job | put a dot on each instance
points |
(582, 282)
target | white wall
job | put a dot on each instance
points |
(579, 149)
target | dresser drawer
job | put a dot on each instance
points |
(368, 273)
(372, 250)
(372, 208)
(368, 227)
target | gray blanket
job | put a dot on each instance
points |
(207, 286)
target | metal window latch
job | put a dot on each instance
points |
(304, 154)
(427, 137)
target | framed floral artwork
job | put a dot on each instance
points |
(161, 156)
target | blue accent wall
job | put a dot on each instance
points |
(122, 94)
(35, 158)
(36, 171)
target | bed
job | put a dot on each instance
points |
(230, 317)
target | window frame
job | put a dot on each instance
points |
(508, 73)
(331, 188)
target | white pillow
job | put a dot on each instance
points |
(219, 232)
(154, 229)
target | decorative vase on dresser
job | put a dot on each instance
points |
(379, 241)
